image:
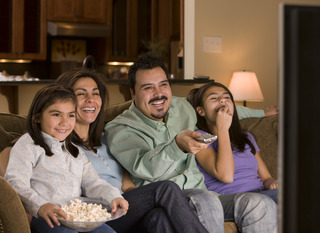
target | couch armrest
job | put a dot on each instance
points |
(12, 213)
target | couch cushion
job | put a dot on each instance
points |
(265, 132)
(5, 138)
(112, 111)
(13, 123)
(11, 127)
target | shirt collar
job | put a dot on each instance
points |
(51, 141)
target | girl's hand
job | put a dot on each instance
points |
(270, 183)
(224, 117)
(121, 202)
(50, 210)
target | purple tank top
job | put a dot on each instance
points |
(246, 176)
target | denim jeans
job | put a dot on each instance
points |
(207, 206)
(158, 207)
(250, 211)
(39, 225)
(269, 192)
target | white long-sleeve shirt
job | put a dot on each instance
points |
(40, 179)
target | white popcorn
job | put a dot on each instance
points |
(81, 211)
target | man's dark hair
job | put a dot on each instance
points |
(146, 62)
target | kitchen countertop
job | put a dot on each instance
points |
(9, 88)
(112, 81)
(17, 83)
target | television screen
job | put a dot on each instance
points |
(299, 132)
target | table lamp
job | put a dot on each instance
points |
(244, 86)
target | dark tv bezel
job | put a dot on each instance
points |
(299, 118)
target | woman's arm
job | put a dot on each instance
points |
(268, 181)
(127, 183)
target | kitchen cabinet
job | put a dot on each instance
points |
(142, 26)
(23, 29)
(77, 11)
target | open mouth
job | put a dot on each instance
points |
(218, 109)
(158, 103)
(62, 131)
(88, 110)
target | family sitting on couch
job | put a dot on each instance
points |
(147, 155)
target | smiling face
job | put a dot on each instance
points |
(88, 100)
(59, 119)
(152, 93)
(215, 98)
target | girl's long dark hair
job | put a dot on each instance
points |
(237, 136)
(68, 80)
(44, 98)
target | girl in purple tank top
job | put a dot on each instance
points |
(232, 164)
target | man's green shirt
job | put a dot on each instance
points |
(147, 149)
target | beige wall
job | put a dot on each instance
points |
(249, 32)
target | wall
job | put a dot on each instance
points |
(249, 32)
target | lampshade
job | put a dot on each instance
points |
(244, 86)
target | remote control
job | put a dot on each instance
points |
(207, 138)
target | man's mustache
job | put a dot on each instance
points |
(158, 98)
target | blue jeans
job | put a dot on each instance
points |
(251, 212)
(158, 207)
(207, 206)
(39, 225)
(269, 192)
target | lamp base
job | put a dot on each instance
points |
(245, 103)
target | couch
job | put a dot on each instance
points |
(12, 215)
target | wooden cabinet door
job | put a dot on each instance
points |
(62, 10)
(77, 11)
(95, 11)
(141, 26)
(23, 29)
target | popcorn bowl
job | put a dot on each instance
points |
(85, 226)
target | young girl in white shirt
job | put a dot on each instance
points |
(46, 167)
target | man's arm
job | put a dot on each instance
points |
(187, 143)
(140, 155)
(244, 112)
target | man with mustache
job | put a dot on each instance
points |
(155, 140)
